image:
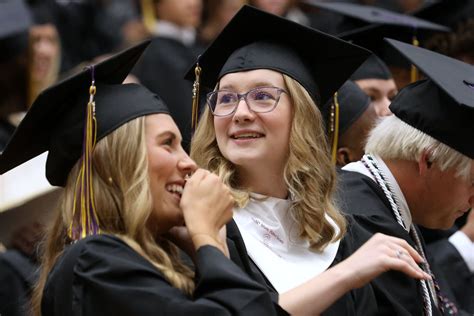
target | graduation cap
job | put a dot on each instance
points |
(15, 19)
(68, 118)
(447, 12)
(441, 106)
(255, 39)
(372, 68)
(347, 105)
(380, 23)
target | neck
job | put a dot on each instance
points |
(266, 181)
(405, 172)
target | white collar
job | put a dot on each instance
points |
(399, 197)
(271, 237)
(186, 35)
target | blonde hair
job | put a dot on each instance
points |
(123, 205)
(309, 173)
(394, 139)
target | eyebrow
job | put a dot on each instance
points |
(165, 134)
(252, 85)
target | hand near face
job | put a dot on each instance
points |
(207, 206)
(379, 254)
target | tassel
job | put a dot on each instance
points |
(85, 221)
(195, 108)
(148, 14)
(414, 76)
(334, 129)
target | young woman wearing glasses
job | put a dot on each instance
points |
(263, 134)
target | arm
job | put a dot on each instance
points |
(380, 254)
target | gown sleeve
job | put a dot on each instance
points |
(109, 278)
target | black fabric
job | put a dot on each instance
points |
(15, 19)
(161, 70)
(101, 275)
(372, 68)
(360, 196)
(352, 104)
(6, 132)
(441, 106)
(17, 277)
(356, 302)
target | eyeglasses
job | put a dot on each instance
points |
(259, 100)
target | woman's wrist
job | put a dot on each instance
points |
(204, 239)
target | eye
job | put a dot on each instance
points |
(226, 98)
(262, 95)
(167, 141)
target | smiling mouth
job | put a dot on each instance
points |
(175, 189)
(247, 136)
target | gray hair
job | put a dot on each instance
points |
(394, 139)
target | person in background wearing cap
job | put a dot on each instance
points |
(418, 170)
(117, 153)
(349, 130)
(15, 19)
(173, 49)
(375, 79)
(263, 134)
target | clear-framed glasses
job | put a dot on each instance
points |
(259, 100)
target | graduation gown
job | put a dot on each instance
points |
(396, 293)
(355, 302)
(18, 274)
(102, 275)
(161, 69)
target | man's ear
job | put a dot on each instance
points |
(343, 156)
(424, 162)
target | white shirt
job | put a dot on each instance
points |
(271, 238)
(459, 240)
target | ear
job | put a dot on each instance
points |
(424, 162)
(343, 156)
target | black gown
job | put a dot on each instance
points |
(161, 69)
(396, 293)
(18, 274)
(356, 302)
(102, 275)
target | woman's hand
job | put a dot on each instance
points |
(380, 254)
(207, 206)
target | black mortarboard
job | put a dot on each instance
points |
(56, 120)
(441, 106)
(372, 68)
(447, 12)
(255, 39)
(373, 15)
(43, 11)
(342, 111)
(15, 19)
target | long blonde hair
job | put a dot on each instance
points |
(123, 205)
(309, 173)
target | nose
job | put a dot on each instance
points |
(243, 112)
(185, 164)
(382, 107)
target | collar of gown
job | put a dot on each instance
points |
(399, 197)
(271, 237)
(185, 35)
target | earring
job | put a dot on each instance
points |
(110, 180)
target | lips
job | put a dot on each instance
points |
(246, 135)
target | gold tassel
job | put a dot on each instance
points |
(195, 108)
(334, 128)
(85, 221)
(414, 71)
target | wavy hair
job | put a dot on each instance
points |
(123, 205)
(309, 174)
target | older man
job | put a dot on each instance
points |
(418, 170)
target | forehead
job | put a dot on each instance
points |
(252, 78)
(377, 84)
(159, 123)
